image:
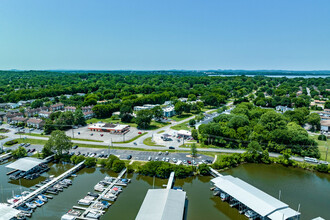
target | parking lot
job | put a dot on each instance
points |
(85, 133)
(144, 155)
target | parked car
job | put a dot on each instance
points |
(156, 158)
(78, 133)
(101, 135)
(149, 158)
(174, 160)
(166, 153)
(135, 143)
(75, 147)
(188, 161)
(33, 150)
(129, 157)
(139, 132)
(159, 153)
(171, 147)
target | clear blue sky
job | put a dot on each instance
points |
(165, 34)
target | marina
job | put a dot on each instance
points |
(290, 181)
(109, 187)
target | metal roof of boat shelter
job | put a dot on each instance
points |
(7, 212)
(255, 199)
(162, 204)
(25, 163)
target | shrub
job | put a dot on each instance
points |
(322, 137)
(204, 169)
(323, 168)
(118, 165)
(12, 142)
(90, 162)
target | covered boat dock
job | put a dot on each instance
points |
(251, 201)
(7, 212)
(163, 204)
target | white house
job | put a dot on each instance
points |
(325, 125)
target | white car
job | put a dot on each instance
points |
(149, 158)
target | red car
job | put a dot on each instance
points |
(188, 161)
(139, 132)
(101, 135)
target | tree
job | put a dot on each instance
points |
(118, 165)
(110, 161)
(194, 134)
(79, 118)
(314, 120)
(179, 107)
(90, 161)
(192, 97)
(327, 104)
(193, 150)
(192, 122)
(204, 169)
(49, 126)
(19, 152)
(59, 142)
(158, 113)
(143, 118)
(37, 103)
(46, 151)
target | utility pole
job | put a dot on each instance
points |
(72, 132)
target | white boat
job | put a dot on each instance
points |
(31, 205)
(99, 187)
(42, 198)
(224, 196)
(68, 217)
(84, 202)
(38, 202)
(94, 215)
(250, 214)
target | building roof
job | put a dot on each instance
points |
(25, 163)
(255, 199)
(7, 212)
(19, 119)
(70, 107)
(56, 105)
(34, 121)
(162, 204)
(45, 112)
(325, 123)
(184, 132)
(108, 126)
(88, 113)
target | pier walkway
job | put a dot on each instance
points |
(87, 210)
(5, 156)
(43, 188)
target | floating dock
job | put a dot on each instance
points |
(45, 187)
(89, 208)
(5, 156)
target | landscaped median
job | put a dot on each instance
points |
(148, 141)
(133, 139)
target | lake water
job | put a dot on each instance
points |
(310, 190)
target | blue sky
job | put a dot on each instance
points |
(171, 34)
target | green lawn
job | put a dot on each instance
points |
(182, 126)
(156, 124)
(133, 139)
(322, 147)
(181, 117)
(159, 132)
(76, 139)
(149, 142)
(3, 137)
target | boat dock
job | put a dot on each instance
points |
(51, 183)
(5, 156)
(249, 200)
(168, 203)
(98, 199)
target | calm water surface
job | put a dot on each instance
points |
(310, 190)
